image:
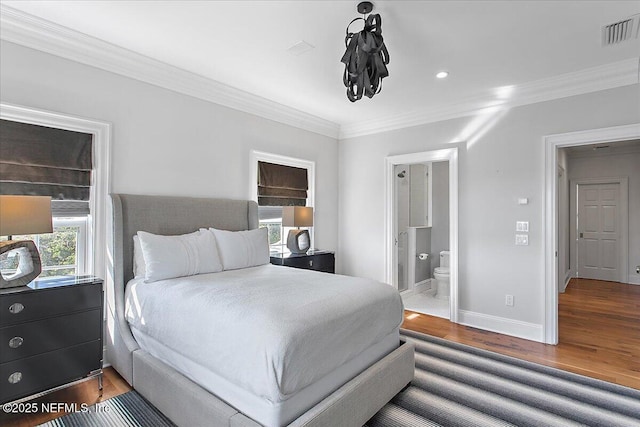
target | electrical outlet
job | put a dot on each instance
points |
(522, 226)
(508, 300)
(522, 240)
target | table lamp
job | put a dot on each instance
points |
(298, 241)
(23, 215)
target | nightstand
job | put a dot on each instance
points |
(50, 335)
(312, 260)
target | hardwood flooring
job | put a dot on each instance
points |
(599, 331)
(599, 337)
(85, 392)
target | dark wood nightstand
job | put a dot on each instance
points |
(313, 260)
(50, 335)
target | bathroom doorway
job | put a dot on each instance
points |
(421, 230)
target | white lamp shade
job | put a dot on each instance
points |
(25, 215)
(297, 216)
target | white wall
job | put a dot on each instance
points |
(498, 163)
(168, 143)
(613, 166)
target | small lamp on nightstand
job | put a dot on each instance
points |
(23, 215)
(298, 241)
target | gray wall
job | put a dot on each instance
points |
(564, 255)
(612, 166)
(168, 143)
(440, 212)
(502, 162)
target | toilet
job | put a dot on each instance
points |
(441, 275)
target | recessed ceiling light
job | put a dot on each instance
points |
(442, 74)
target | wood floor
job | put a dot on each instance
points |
(599, 330)
(85, 392)
(599, 337)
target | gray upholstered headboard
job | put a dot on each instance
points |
(159, 215)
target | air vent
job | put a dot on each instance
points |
(300, 47)
(621, 31)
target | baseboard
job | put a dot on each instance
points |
(634, 280)
(566, 282)
(423, 286)
(420, 287)
(502, 325)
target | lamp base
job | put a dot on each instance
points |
(29, 266)
(298, 241)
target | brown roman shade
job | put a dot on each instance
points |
(42, 161)
(280, 185)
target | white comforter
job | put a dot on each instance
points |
(271, 330)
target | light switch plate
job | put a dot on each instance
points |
(522, 226)
(522, 240)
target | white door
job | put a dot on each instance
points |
(599, 231)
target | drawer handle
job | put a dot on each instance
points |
(15, 342)
(16, 308)
(15, 378)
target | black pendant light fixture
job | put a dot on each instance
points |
(366, 58)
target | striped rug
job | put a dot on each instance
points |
(457, 385)
(454, 385)
(126, 410)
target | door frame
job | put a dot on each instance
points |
(552, 143)
(443, 155)
(624, 219)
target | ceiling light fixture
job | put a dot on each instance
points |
(366, 58)
(442, 74)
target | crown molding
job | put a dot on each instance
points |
(609, 76)
(36, 33)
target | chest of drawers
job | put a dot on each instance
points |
(50, 335)
(313, 260)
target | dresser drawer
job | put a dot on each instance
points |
(319, 262)
(31, 338)
(48, 370)
(34, 305)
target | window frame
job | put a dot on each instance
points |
(309, 165)
(98, 219)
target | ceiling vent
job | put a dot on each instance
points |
(621, 31)
(300, 47)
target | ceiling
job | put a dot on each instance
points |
(485, 46)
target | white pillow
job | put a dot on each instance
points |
(139, 269)
(167, 257)
(242, 249)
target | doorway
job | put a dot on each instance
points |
(554, 209)
(417, 230)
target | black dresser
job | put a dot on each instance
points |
(313, 260)
(50, 335)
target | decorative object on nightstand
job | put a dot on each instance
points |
(312, 260)
(50, 336)
(298, 241)
(23, 215)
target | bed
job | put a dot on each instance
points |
(298, 386)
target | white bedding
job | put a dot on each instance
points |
(269, 330)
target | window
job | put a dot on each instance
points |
(270, 215)
(46, 161)
(62, 253)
